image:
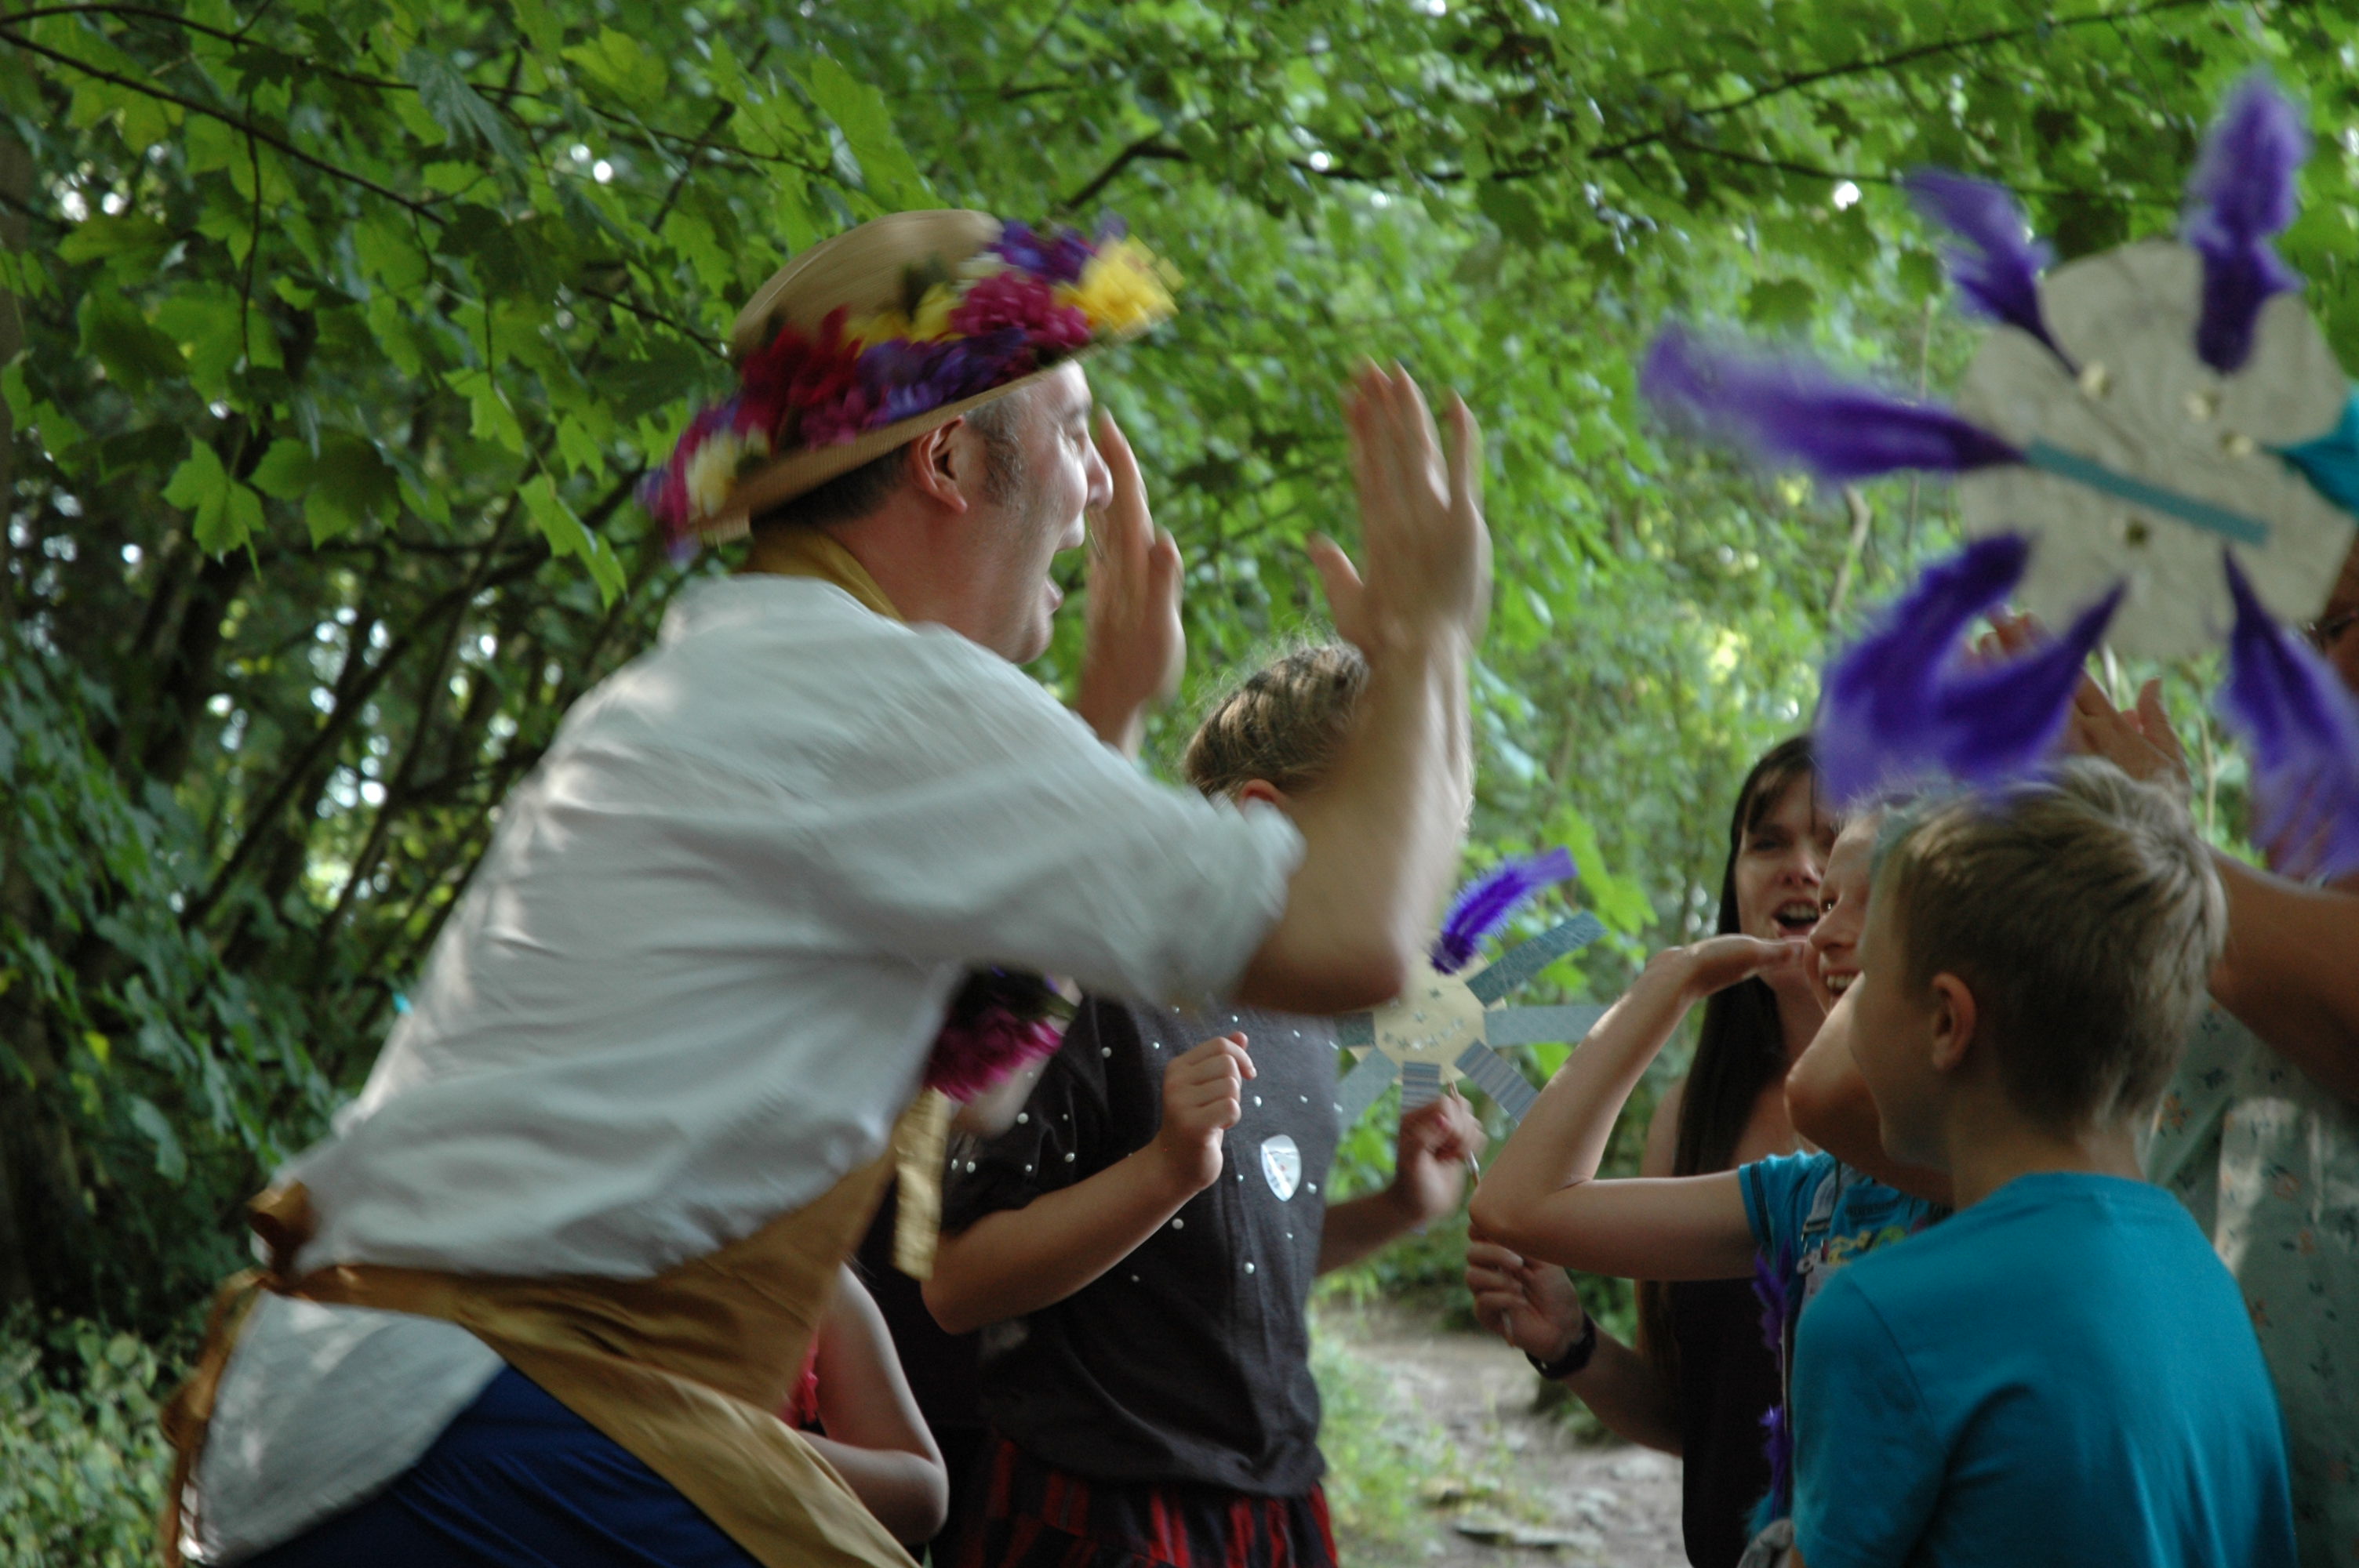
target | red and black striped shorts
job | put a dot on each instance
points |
(1031, 1516)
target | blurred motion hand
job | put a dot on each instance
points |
(1134, 647)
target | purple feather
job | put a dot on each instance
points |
(1997, 265)
(1902, 703)
(1484, 904)
(2302, 727)
(1774, 1286)
(1793, 411)
(2241, 194)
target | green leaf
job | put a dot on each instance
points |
(567, 536)
(620, 63)
(859, 111)
(1780, 302)
(171, 1163)
(136, 355)
(100, 237)
(389, 252)
(224, 513)
(351, 483)
(458, 108)
(285, 472)
(495, 419)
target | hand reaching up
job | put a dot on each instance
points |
(1426, 551)
(1136, 647)
(1201, 1093)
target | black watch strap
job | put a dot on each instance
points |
(1576, 1355)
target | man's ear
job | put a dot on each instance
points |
(934, 465)
(1955, 1016)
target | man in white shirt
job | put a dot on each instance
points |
(625, 1130)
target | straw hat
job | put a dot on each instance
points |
(859, 271)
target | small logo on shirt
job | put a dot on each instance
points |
(1281, 1162)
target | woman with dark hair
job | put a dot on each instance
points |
(1703, 1377)
(1704, 1336)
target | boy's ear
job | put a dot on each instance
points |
(1953, 1017)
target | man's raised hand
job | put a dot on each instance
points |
(1134, 646)
(1427, 552)
(1203, 1091)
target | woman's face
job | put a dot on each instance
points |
(1780, 863)
(1842, 911)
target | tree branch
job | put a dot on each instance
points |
(1150, 146)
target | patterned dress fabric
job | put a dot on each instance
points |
(2269, 1164)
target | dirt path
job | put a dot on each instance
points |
(1499, 1483)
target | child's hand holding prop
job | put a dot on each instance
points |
(2154, 446)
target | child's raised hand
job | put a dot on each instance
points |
(1203, 1091)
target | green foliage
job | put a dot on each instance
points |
(83, 1465)
(349, 326)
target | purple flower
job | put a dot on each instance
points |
(1484, 905)
(1996, 265)
(1058, 256)
(905, 379)
(1903, 702)
(2302, 725)
(2241, 194)
(1792, 411)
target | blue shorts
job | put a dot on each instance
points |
(517, 1481)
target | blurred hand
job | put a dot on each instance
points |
(1202, 1089)
(1134, 646)
(1718, 962)
(1429, 1157)
(1532, 1306)
(2139, 742)
(1428, 552)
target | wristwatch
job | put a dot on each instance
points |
(1576, 1355)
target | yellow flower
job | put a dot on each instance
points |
(1124, 289)
(712, 471)
(880, 327)
(933, 317)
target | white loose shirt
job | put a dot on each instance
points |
(693, 982)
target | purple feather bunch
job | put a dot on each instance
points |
(1775, 1285)
(2302, 726)
(1483, 904)
(1904, 702)
(1000, 1021)
(1789, 410)
(2242, 193)
(1995, 263)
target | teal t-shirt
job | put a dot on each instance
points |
(2063, 1374)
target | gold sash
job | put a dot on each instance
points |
(685, 1369)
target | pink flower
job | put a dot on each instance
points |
(1017, 299)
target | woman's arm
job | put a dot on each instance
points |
(875, 1438)
(2290, 973)
(1021, 1259)
(1540, 1197)
(1536, 1309)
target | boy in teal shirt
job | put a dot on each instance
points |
(2062, 1373)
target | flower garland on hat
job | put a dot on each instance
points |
(1026, 302)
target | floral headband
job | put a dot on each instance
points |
(1024, 303)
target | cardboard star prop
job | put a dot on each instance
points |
(1444, 1026)
(2155, 444)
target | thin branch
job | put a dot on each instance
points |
(645, 313)
(420, 209)
(1151, 146)
(1007, 83)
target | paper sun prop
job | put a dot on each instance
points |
(1443, 1026)
(2155, 448)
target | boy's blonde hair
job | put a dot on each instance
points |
(2081, 910)
(1284, 725)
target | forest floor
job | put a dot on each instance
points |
(1441, 1459)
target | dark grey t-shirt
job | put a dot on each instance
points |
(1190, 1360)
